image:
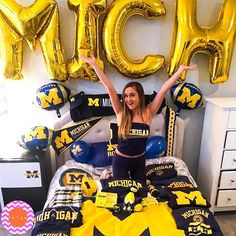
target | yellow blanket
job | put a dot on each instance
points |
(155, 221)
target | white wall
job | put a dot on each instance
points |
(141, 37)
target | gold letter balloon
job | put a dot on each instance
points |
(40, 21)
(119, 12)
(217, 41)
(86, 40)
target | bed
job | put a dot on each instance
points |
(97, 204)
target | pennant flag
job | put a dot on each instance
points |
(64, 138)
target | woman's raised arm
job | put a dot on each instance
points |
(115, 101)
(156, 103)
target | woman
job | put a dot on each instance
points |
(134, 121)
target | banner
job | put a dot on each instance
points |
(64, 138)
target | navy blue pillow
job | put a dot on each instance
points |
(81, 110)
(101, 155)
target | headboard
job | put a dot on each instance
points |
(101, 133)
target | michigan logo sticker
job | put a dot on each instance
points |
(17, 217)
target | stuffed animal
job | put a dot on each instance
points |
(131, 202)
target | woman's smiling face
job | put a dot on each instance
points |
(131, 98)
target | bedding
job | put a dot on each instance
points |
(162, 218)
(96, 172)
(169, 205)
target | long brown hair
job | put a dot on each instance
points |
(127, 114)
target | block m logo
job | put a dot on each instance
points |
(93, 102)
(32, 174)
(188, 198)
(38, 132)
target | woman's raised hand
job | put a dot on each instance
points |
(91, 60)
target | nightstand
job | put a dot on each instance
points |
(25, 178)
(217, 162)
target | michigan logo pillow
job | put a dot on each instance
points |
(84, 106)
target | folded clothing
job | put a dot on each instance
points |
(57, 221)
(180, 192)
(196, 220)
(156, 172)
(122, 187)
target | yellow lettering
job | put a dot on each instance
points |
(80, 128)
(64, 138)
(111, 147)
(39, 217)
(62, 215)
(180, 184)
(46, 215)
(185, 198)
(187, 97)
(51, 98)
(124, 183)
(38, 132)
(93, 102)
(67, 216)
(193, 212)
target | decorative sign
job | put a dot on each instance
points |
(63, 138)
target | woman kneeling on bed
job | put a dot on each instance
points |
(134, 121)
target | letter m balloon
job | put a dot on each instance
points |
(40, 21)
